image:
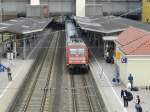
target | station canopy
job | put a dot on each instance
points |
(2, 28)
(24, 25)
(109, 24)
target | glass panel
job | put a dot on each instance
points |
(77, 51)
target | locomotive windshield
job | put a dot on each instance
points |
(77, 51)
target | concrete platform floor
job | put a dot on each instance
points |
(8, 89)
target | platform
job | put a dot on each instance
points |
(8, 90)
(103, 74)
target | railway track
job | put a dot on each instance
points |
(33, 95)
(83, 96)
(57, 81)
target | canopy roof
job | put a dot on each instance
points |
(100, 24)
(109, 24)
(24, 25)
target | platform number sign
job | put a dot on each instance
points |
(123, 59)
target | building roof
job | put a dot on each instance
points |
(134, 41)
(129, 35)
(140, 46)
(24, 25)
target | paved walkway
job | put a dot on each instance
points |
(103, 74)
(8, 89)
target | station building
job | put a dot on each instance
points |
(133, 56)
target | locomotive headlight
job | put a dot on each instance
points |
(70, 61)
(83, 61)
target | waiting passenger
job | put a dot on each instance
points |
(9, 74)
(124, 96)
(129, 86)
(137, 106)
(130, 79)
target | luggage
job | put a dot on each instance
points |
(108, 60)
(134, 89)
(118, 80)
(129, 96)
(113, 80)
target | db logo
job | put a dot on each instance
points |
(124, 60)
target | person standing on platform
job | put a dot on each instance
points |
(130, 79)
(117, 75)
(137, 106)
(9, 74)
(129, 85)
(124, 96)
(107, 56)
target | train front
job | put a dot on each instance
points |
(77, 57)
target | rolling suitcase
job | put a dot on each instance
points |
(134, 89)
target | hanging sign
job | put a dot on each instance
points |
(117, 55)
(123, 59)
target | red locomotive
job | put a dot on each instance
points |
(76, 49)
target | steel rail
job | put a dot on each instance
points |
(75, 108)
(49, 75)
(87, 94)
(97, 99)
(36, 79)
(73, 94)
(55, 95)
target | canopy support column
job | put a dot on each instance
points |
(24, 48)
(14, 49)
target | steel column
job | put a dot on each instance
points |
(24, 48)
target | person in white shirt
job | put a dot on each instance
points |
(129, 85)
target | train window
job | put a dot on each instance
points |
(77, 51)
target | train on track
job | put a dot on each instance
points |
(76, 49)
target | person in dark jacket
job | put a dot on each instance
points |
(9, 74)
(124, 96)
